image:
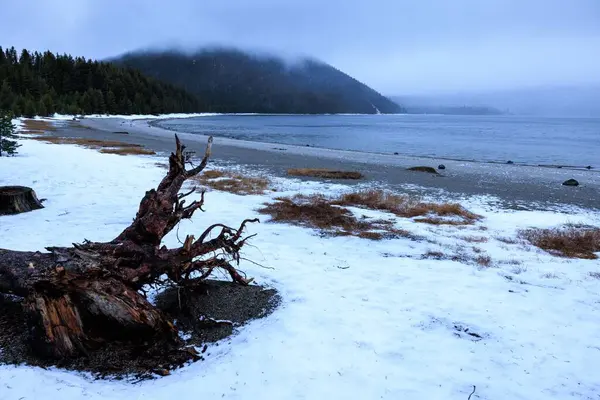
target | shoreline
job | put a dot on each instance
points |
(155, 124)
(515, 185)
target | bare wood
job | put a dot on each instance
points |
(18, 199)
(89, 293)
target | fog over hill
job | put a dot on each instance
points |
(235, 81)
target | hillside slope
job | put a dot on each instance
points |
(227, 80)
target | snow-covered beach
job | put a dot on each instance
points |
(360, 319)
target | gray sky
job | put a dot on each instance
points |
(396, 46)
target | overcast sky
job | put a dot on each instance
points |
(396, 46)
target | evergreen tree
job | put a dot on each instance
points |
(29, 109)
(49, 104)
(41, 109)
(6, 95)
(43, 84)
(111, 102)
(8, 146)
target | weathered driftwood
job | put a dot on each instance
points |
(79, 297)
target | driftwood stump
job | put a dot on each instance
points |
(81, 297)
(18, 199)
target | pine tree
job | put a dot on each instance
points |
(33, 83)
(111, 102)
(29, 109)
(41, 109)
(8, 146)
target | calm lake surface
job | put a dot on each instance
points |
(529, 140)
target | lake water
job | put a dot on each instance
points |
(528, 140)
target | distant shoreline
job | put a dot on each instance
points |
(516, 186)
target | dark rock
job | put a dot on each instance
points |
(589, 167)
(441, 166)
(509, 162)
(121, 132)
(395, 153)
(570, 182)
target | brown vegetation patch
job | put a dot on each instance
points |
(325, 173)
(484, 260)
(227, 181)
(36, 126)
(122, 151)
(86, 142)
(436, 255)
(408, 207)
(567, 241)
(429, 170)
(104, 146)
(319, 213)
(461, 256)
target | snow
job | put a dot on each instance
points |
(359, 320)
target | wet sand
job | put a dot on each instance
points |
(514, 185)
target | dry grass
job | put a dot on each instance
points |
(484, 260)
(319, 213)
(550, 275)
(123, 151)
(227, 181)
(325, 173)
(429, 170)
(519, 270)
(436, 255)
(512, 262)
(36, 126)
(474, 239)
(567, 241)
(507, 240)
(104, 146)
(461, 256)
(407, 207)
(86, 142)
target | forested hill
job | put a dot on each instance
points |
(227, 80)
(44, 83)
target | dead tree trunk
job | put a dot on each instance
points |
(18, 199)
(79, 297)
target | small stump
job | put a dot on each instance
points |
(18, 199)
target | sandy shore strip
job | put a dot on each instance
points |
(515, 186)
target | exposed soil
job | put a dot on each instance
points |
(206, 315)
